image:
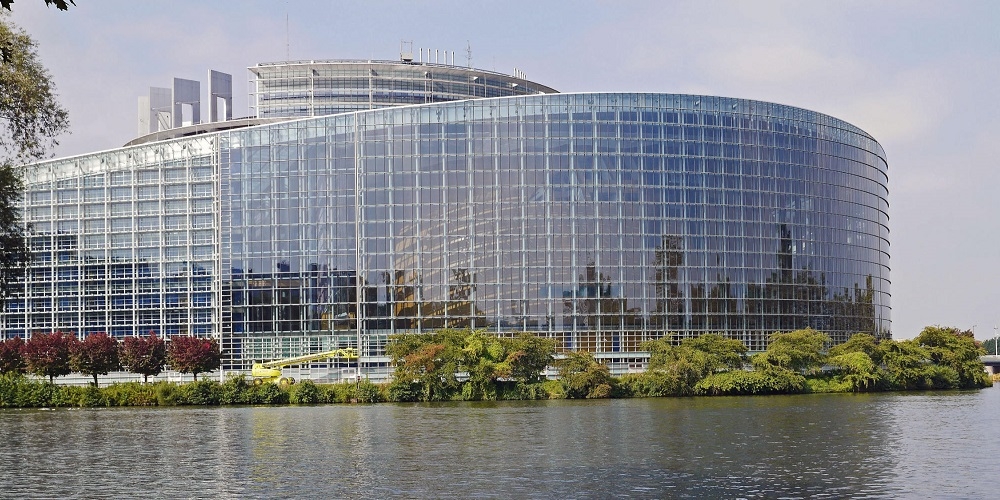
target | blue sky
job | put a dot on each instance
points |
(921, 77)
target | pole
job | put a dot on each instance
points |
(996, 349)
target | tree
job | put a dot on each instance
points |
(723, 353)
(30, 119)
(96, 355)
(144, 355)
(859, 342)
(430, 360)
(47, 355)
(956, 349)
(194, 355)
(11, 357)
(990, 346)
(583, 377)
(799, 350)
(488, 358)
(904, 364)
(529, 355)
(857, 369)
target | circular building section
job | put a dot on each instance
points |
(315, 88)
(600, 220)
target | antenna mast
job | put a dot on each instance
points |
(468, 53)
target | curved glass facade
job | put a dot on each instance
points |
(600, 220)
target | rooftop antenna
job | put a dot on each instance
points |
(288, 50)
(468, 54)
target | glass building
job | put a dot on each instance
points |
(598, 219)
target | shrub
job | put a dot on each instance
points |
(82, 397)
(10, 387)
(236, 390)
(581, 376)
(130, 394)
(369, 392)
(941, 377)
(518, 391)
(305, 393)
(600, 391)
(650, 384)
(268, 394)
(37, 394)
(403, 391)
(829, 383)
(167, 394)
(767, 381)
(200, 392)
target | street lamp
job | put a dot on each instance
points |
(996, 348)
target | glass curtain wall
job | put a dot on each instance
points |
(600, 220)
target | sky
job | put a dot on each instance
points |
(916, 75)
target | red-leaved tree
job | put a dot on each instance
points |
(96, 355)
(47, 354)
(11, 358)
(193, 355)
(144, 355)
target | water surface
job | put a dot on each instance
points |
(818, 446)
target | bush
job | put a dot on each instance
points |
(305, 393)
(37, 394)
(268, 394)
(130, 394)
(521, 391)
(942, 377)
(201, 392)
(829, 383)
(338, 393)
(369, 392)
(10, 387)
(167, 394)
(581, 376)
(402, 391)
(236, 390)
(650, 384)
(600, 391)
(767, 381)
(81, 397)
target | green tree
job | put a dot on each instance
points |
(430, 360)
(193, 355)
(528, 356)
(145, 356)
(485, 359)
(96, 355)
(799, 350)
(47, 354)
(30, 120)
(857, 369)
(859, 342)
(722, 353)
(904, 363)
(583, 377)
(956, 349)
(990, 347)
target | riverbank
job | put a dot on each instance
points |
(18, 391)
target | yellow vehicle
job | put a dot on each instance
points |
(270, 372)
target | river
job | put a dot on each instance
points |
(925, 445)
